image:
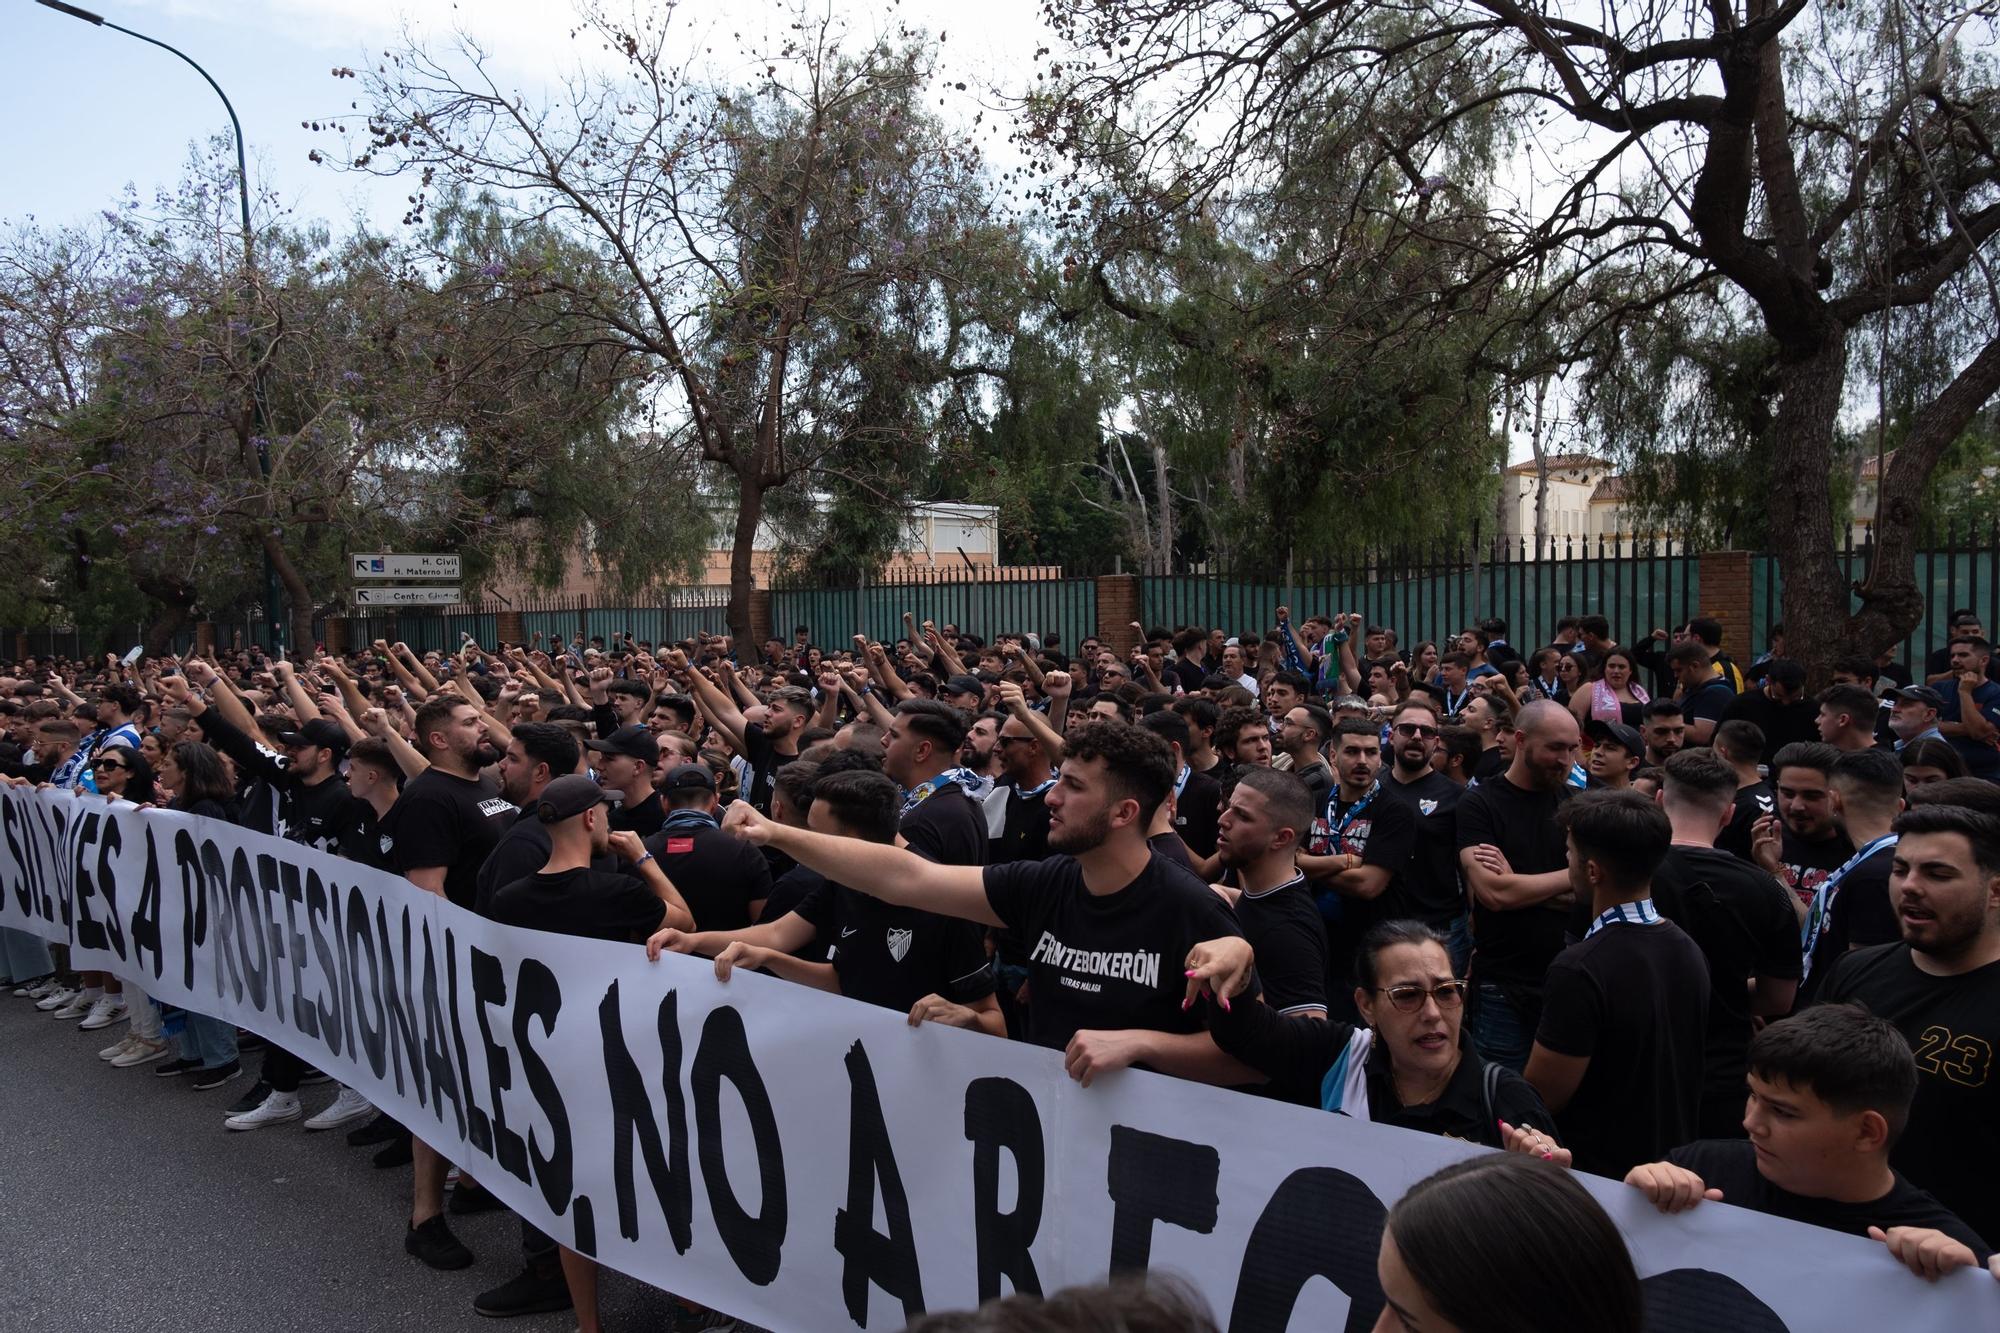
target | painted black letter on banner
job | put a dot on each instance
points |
(243, 893)
(401, 1019)
(318, 908)
(754, 1243)
(537, 994)
(1694, 1300)
(999, 1113)
(194, 902)
(437, 1042)
(1154, 1177)
(146, 914)
(359, 942)
(90, 932)
(632, 1114)
(1320, 1222)
(489, 986)
(867, 1255)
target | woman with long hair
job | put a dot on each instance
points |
(123, 774)
(1614, 693)
(1930, 760)
(202, 785)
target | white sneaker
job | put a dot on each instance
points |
(276, 1109)
(35, 990)
(114, 1051)
(57, 998)
(78, 1006)
(107, 1010)
(143, 1051)
(345, 1109)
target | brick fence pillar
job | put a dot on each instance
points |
(511, 627)
(204, 636)
(760, 625)
(1725, 597)
(1117, 608)
(333, 633)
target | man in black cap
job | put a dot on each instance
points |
(569, 897)
(724, 880)
(1913, 714)
(963, 692)
(1615, 754)
(625, 762)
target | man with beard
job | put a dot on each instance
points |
(1779, 708)
(1109, 919)
(1302, 730)
(1802, 844)
(1515, 860)
(766, 746)
(1017, 823)
(1356, 848)
(1941, 988)
(1258, 839)
(1426, 888)
(1664, 729)
(980, 755)
(438, 834)
(1487, 717)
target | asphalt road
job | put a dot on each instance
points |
(125, 1207)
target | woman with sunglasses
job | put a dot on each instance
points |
(124, 775)
(1409, 1064)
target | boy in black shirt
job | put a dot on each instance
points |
(1830, 1093)
(1516, 868)
(1741, 745)
(940, 822)
(1739, 916)
(1618, 1053)
(1941, 988)
(1803, 843)
(1851, 907)
(1109, 922)
(1427, 888)
(929, 966)
(1258, 839)
(725, 882)
(625, 762)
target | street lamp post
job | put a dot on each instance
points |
(273, 617)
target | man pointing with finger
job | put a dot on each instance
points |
(1106, 921)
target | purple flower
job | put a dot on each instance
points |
(120, 529)
(100, 468)
(209, 529)
(491, 269)
(350, 377)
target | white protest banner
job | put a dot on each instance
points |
(804, 1161)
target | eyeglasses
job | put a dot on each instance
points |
(1410, 997)
(1414, 731)
(103, 767)
(1004, 739)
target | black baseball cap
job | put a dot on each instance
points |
(567, 797)
(1918, 694)
(965, 685)
(688, 777)
(634, 742)
(1624, 737)
(319, 731)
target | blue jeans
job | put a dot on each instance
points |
(209, 1042)
(24, 957)
(1501, 1032)
(1458, 943)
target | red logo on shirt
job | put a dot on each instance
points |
(679, 846)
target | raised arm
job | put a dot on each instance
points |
(891, 874)
(884, 670)
(1016, 703)
(865, 700)
(376, 723)
(722, 712)
(296, 693)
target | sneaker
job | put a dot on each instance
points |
(118, 1048)
(36, 989)
(107, 1010)
(57, 997)
(276, 1109)
(436, 1246)
(467, 1199)
(79, 1004)
(143, 1051)
(216, 1077)
(379, 1130)
(345, 1109)
(526, 1293)
(395, 1155)
(252, 1099)
(175, 1068)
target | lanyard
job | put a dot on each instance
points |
(1823, 896)
(1181, 780)
(1338, 824)
(1451, 707)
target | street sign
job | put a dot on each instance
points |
(378, 565)
(432, 595)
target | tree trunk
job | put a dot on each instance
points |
(742, 547)
(175, 600)
(1818, 627)
(296, 592)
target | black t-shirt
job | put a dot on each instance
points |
(522, 851)
(1513, 948)
(361, 840)
(894, 956)
(592, 904)
(1782, 724)
(1318, 780)
(1284, 928)
(1490, 764)
(764, 761)
(644, 817)
(947, 827)
(1710, 700)
(1297, 1053)
(1862, 915)
(717, 874)
(1633, 999)
(1951, 1145)
(1752, 804)
(1803, 866)
(1198, 810)
(787, 892)
(1730, 1165)
(1743, 922)
(1427, 886)
(443, 820)
(1170, 846)
(1105, 961)
(1024, 833)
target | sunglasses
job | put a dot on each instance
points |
(1414, 731)
(1410, 997)
(103, 767)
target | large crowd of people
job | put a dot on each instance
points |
(1634, 909)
